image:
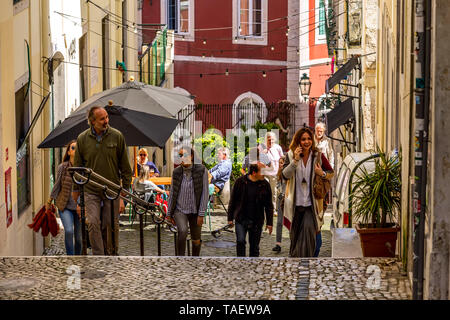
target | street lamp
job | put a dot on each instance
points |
(305, 85)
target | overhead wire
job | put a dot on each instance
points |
(205, 29)
(218, 73)
(205, 49)
(183, 36)
(63, 15)
(257, 47)
(210, 50)
(40, 86)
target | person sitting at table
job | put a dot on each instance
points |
(221, 172)
(143, 160)
(144, 185)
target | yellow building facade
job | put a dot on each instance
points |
(26, 43)
(23, 85)
(109, 34)
(395, 113)
(396, 125)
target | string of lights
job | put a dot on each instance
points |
(210, 50)
(285, 29)
(99, 34)
(271, 47)
(134, 25)
(226, 73)
(214, 50)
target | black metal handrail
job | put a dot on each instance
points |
(83, 176)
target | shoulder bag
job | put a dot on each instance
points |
(321, 186)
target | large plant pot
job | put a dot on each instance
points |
(378, 242)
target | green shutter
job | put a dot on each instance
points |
(321, 18)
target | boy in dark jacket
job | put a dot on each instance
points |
(250, 197)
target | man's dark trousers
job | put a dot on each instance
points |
(254, 237)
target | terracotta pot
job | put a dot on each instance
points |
(378, 242)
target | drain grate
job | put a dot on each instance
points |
(15, 284)
(219, 244)
(303, 283)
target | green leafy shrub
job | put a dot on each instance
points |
(377, 195)
(211, 141)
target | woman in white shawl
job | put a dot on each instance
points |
(303, 214)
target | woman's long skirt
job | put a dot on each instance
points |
(303, 233)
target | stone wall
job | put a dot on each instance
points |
(438, 245)
(369, 65)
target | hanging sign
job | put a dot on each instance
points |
(8, 197)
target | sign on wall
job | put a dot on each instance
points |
(8, 199)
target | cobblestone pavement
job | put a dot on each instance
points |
(166, 278)
(215, 275)
(224, 246)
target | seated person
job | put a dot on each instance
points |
(221, 172)
(256, 154)
(144, 185)
(143, 161)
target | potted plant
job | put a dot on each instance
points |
(375, 201)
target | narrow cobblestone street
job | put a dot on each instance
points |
(223, 246)
(218, 274)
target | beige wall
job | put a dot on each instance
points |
(393, 99)
(367, 106)
(93, 28)
(437, 246)
(18, 239)
(437, 222)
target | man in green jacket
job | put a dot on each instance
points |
(102, 149)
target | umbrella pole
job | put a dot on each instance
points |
(141, 233)
(159, 239)
(135, 161)
(83, 221)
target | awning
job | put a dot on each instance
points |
(340, 74)
(339, 115)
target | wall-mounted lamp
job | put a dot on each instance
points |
(305, 86)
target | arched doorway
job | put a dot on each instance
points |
(248, 109)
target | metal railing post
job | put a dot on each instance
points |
(83, 222)
(113, 229)
(175, 243)
(159, 239)
(141, 233)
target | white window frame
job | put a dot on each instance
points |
(251, 23)
(319, 39)
(250, 39)
(189, 35)
(254, 99)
